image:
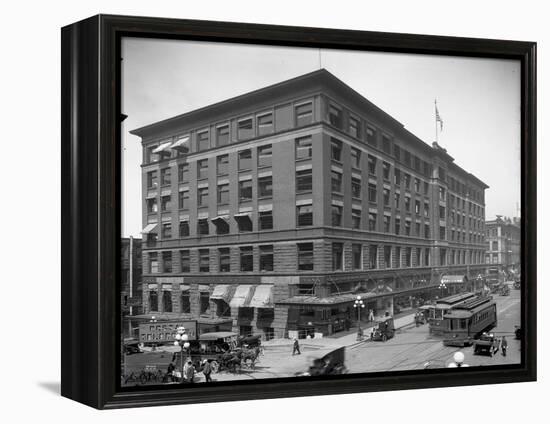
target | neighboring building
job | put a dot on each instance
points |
(503, 238)
(268, 213)
(131, 289)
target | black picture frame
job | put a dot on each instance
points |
(90, 138)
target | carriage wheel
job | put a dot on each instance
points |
(215, 366)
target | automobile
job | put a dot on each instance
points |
(504, 290)
(383, 330)
(517, 332)
(326, 363)
(487, 344)
(132, 348)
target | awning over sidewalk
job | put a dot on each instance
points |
(454, 279)
(242, 296)
(263, 297)
(149, 228)
(222, 292)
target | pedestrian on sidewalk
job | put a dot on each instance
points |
(371, 315)
(207, 370)
(189, 372)
(295, 347)
(504, 345)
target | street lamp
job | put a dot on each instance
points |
(442, 286)
(182, 340)
(359, 304)
(458, 359)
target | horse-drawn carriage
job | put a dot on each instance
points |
(224, 350)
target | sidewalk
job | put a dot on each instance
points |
(349, 339)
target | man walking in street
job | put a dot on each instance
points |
(504, 345)
(207, 370)
(371, 315)
(295, 347)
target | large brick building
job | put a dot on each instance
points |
(270, 212)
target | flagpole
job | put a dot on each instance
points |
(435, 117)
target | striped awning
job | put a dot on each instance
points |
(222, 292)
(242, 296)
(149, 228)
(263, 297)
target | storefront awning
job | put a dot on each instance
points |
(162, 147)
(263, 297)
(222, 292)
(149, 228)
(242, 296)
(454, 279)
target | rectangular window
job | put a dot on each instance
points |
(426, 231)
(245, 191)
(373, 256)
(371, 136)
(303, 148)
(152, 206)
(244, 223)
(397, 257)
(386, 167)
(203, 141)
(387, 223)
(417, 207)
(441, 194)
(245, 160)
(222, 164)
(397, 226)
(337, 256)
(245, 129)
(183, 199)
(418, 256)
(166, 231)
(356, 158)
(356, 218)
(265, 156)
(426, 209)
(387, 256)
(397, 152)
(265, 220)
(305, 256)
(372, 221)
(222, 135)
(223, 194)
(185, 302)
(386, 197)
(265, 124)
(397, 176)
(336, 149)
(153, 263)
(203, 228)
(407, 204)
(183, 172)
(354, 127)
(202, 196)
(304, 181)
(417, 185)
(427, 257)
(304, 114)
(386, 144)
(336, 181)
(153, 301)
(265, 186)
(407, 157)
(266, 258)
(442, 232)
(246, 258)
(426, 188)
(397, 198)
(167, 262)
(224, 259)
(372, 164)
(417, 229)
(304, 215)
(357, 256)
(336, 216)
(202, 169)
(372, 192)
(165, 176)
(204, 260)
(356, 187)
(335, 116)
(408, 257)
(407, 228)
(151, 157)
(443, 257)
(165, 203)
(152, 181)
(407, 181)
(184, 229)
(185, 261)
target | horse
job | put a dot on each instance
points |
(250, 355)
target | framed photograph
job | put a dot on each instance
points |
(254, 211)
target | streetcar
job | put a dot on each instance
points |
(443, 306)
(467, 321)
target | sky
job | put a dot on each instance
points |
(478, 101)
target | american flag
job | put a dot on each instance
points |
(438, 118)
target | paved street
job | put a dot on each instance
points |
(411, 348)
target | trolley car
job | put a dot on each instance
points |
(443, 306)
(467, 321)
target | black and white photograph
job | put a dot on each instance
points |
(299, 212)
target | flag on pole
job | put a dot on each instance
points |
(438, 118)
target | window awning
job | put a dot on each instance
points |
(454, 279)
(242, 215)
(242, 296)
(151, 195)
(149, 228)
(185, 287)
(204, 288)
(219, 219)
(162, 147)
(263, 297)
(182, 144)
(222, 292)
